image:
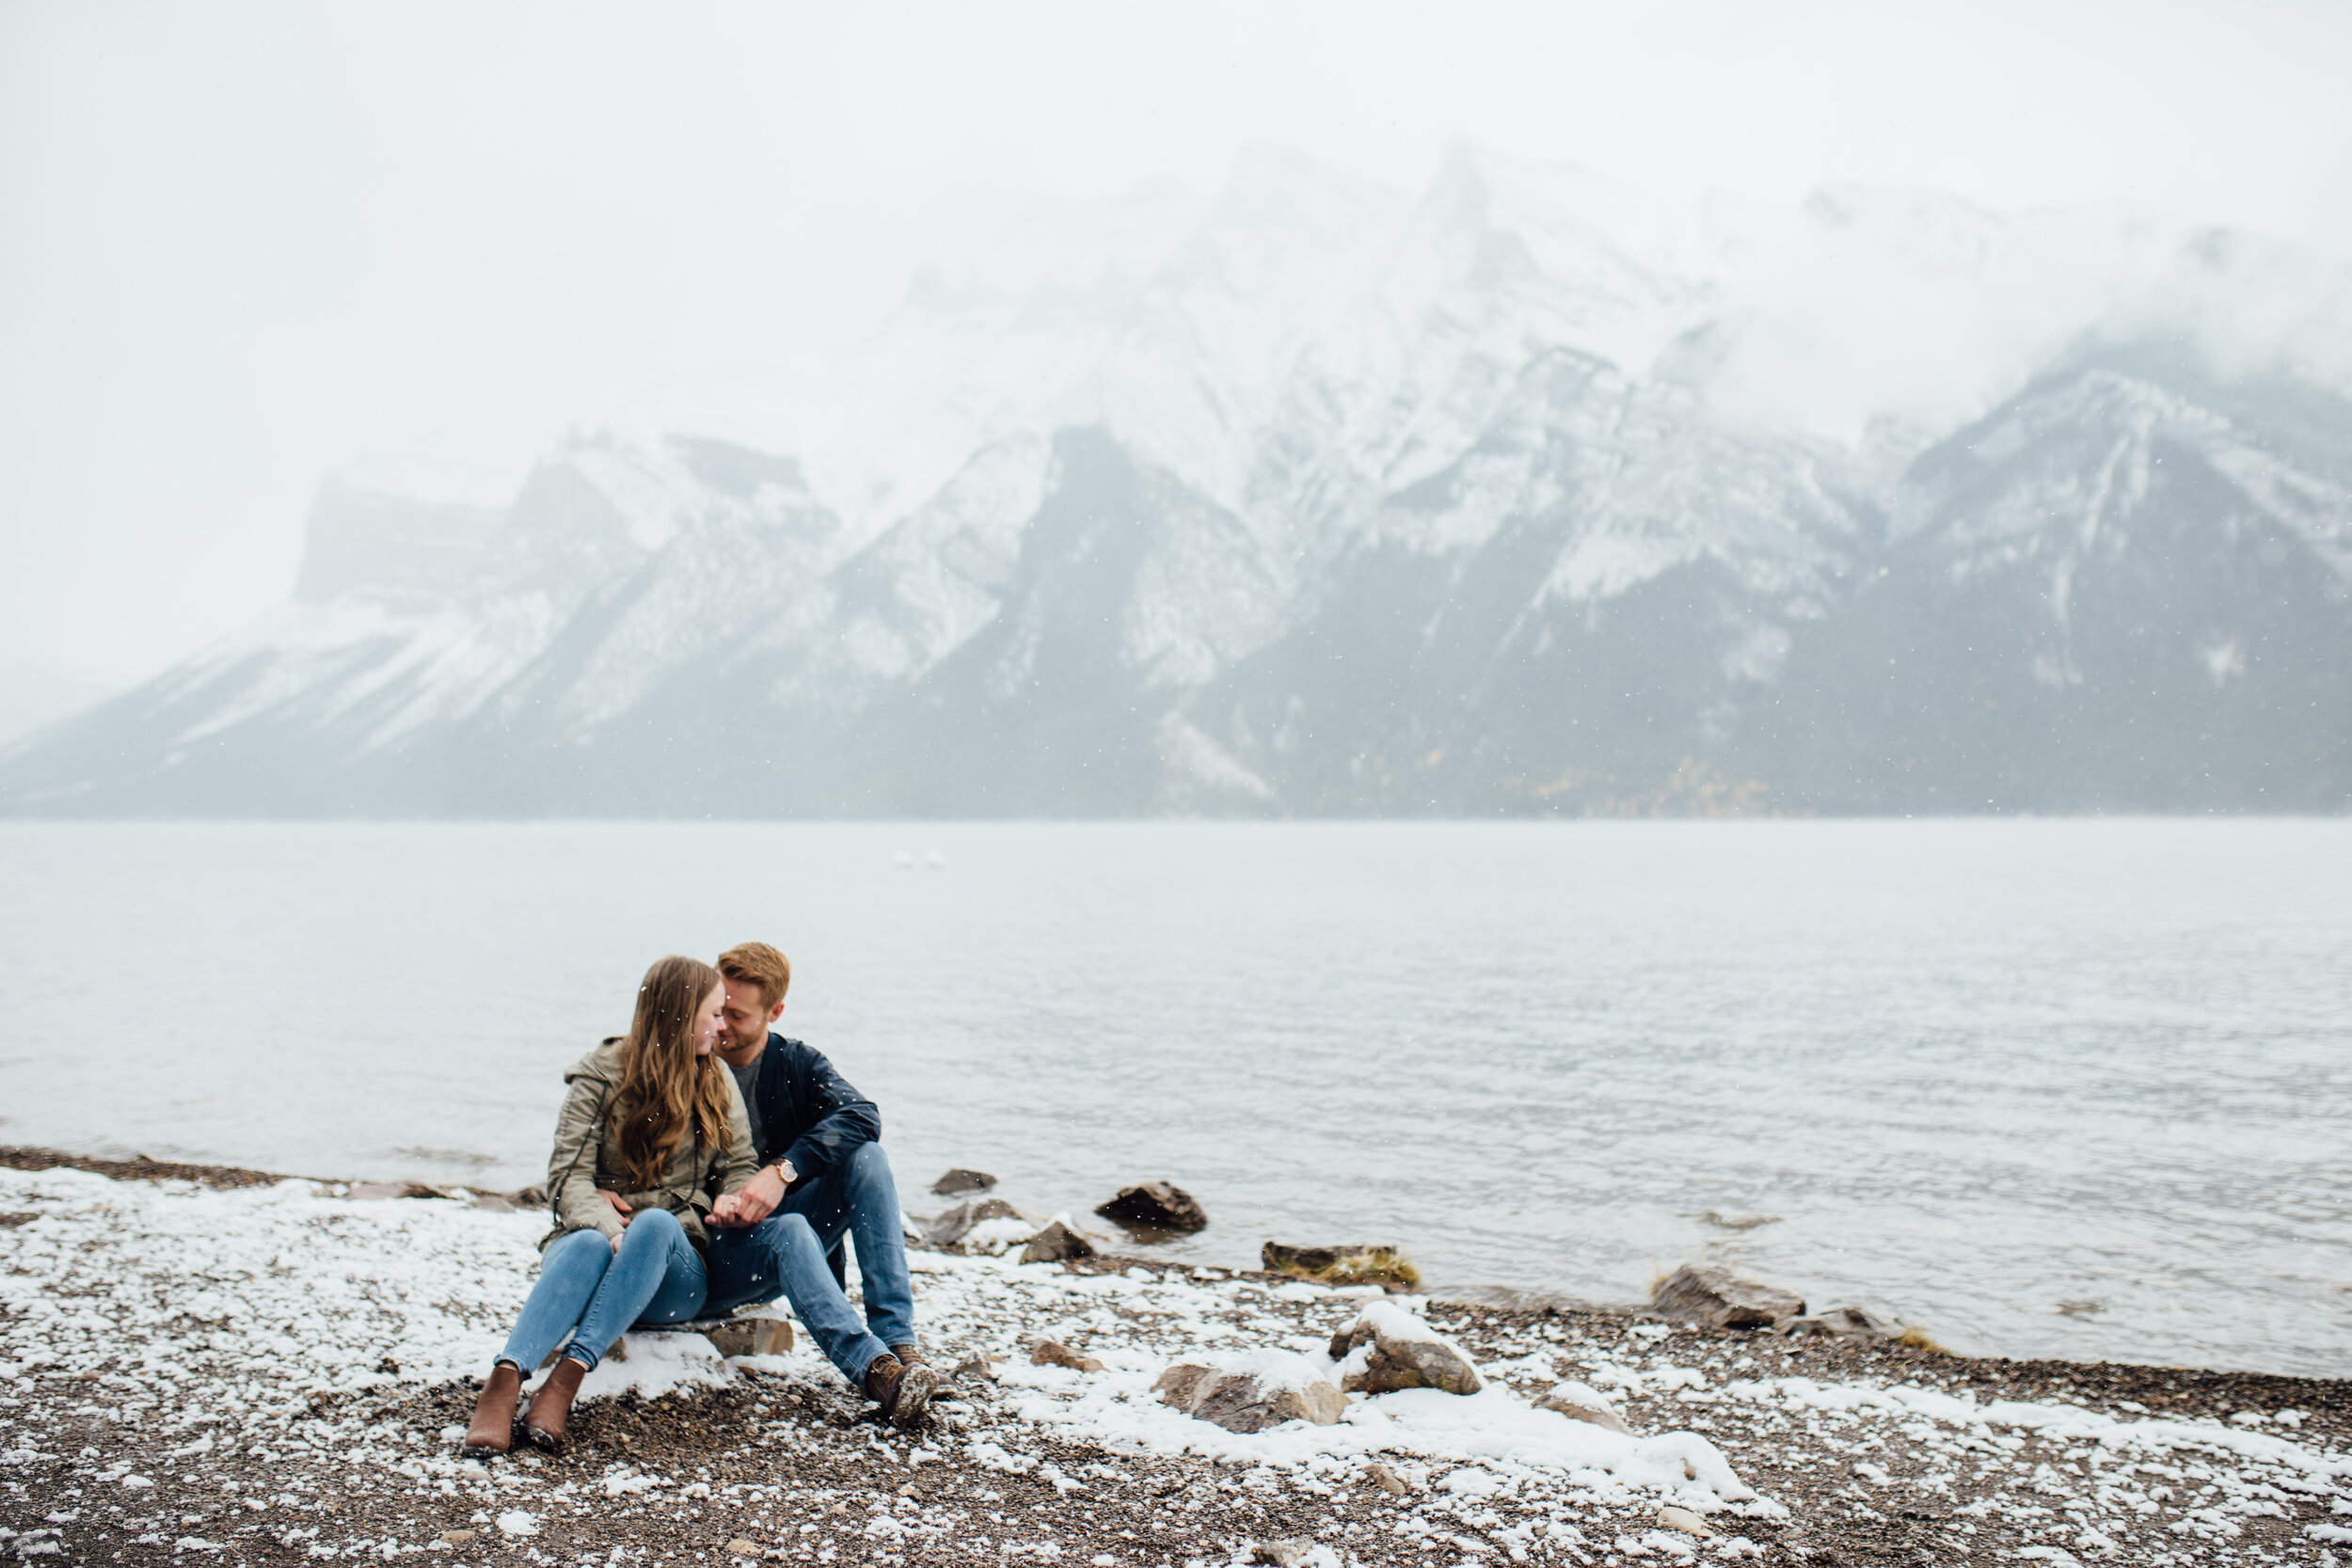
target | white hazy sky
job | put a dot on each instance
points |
(241, 243)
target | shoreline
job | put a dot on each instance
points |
(147, 1378)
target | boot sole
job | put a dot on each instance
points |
(915, 1387)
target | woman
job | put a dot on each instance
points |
(653, 1122)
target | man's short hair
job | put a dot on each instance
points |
(761, 965)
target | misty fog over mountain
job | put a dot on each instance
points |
(1530, 492)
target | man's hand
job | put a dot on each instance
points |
(756, 1200)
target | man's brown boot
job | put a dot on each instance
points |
(543, 1421)
(904, 1392)
(492, 1430)
(909, 1356)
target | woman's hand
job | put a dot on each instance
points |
(621, 1208)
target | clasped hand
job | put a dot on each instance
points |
(754, 1201)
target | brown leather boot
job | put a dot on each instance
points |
(909, 1356)
(904, 1392)
(543, 1423)
(492, 1430)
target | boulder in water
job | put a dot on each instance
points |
(958, 1181)
(1854, 1321)
(1384, 1266)
(1719, 1299)
(1155, 1206)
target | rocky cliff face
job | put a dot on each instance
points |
(1527, 494)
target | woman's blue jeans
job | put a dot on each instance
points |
(594, 1293)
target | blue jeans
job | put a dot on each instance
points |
(594, 1293)
(784, 1253)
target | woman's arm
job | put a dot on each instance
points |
(741, 1160)
(572, 1165)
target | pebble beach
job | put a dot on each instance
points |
(206, 1365)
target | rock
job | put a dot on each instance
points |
(1052, 1353)
(1261, 1390)
(1385, 1479)
(529, 1198)
(459, 1537)
(754, 1333)
(1845, 1322)
(961, 1181)
(1715, 1297)
(1054, 1243)
(1342, 1266)
(975, 1366)
(952, 1226)
(740, 1547)
(1581, 1403)
(1684, 1520)
(1287, 1553)
(1386, 1348)
(1155, 1206)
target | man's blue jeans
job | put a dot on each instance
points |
(784, 1253)
(593, 1293)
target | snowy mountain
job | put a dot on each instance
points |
(1531, 493)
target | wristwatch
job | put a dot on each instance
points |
(785, 1173)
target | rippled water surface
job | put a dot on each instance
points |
(2078, 1089)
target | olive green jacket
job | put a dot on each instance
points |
(587, 1156)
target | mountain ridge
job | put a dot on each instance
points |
(1347, 502)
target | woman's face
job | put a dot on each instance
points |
(710, 1021)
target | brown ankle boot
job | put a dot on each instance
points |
(909, 1356)
(904, 1392)
(543, 1421)
(492, 1430)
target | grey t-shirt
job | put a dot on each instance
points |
(744, 1078)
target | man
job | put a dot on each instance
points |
(823, 1174)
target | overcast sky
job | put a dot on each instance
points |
(242, 243)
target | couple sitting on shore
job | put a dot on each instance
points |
(701, 1162)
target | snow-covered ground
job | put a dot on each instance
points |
(272, 1373)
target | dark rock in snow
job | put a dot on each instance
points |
(1155, 1206)
(1052, 1353)
(1277, 1387)
(761, 1332)
(1719, 1299)
(1056, 1244)
(1580, 1403)
(956, 1223)
(1386, 1349)
(961, 1181)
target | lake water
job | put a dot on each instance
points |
(2048, 1087)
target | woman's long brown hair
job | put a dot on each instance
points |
(664, 1085)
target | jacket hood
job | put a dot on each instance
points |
(603, 1063)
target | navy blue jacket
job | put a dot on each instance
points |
(808, 1113)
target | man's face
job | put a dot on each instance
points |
(747, 1016)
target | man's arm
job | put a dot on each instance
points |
(836, 1117)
